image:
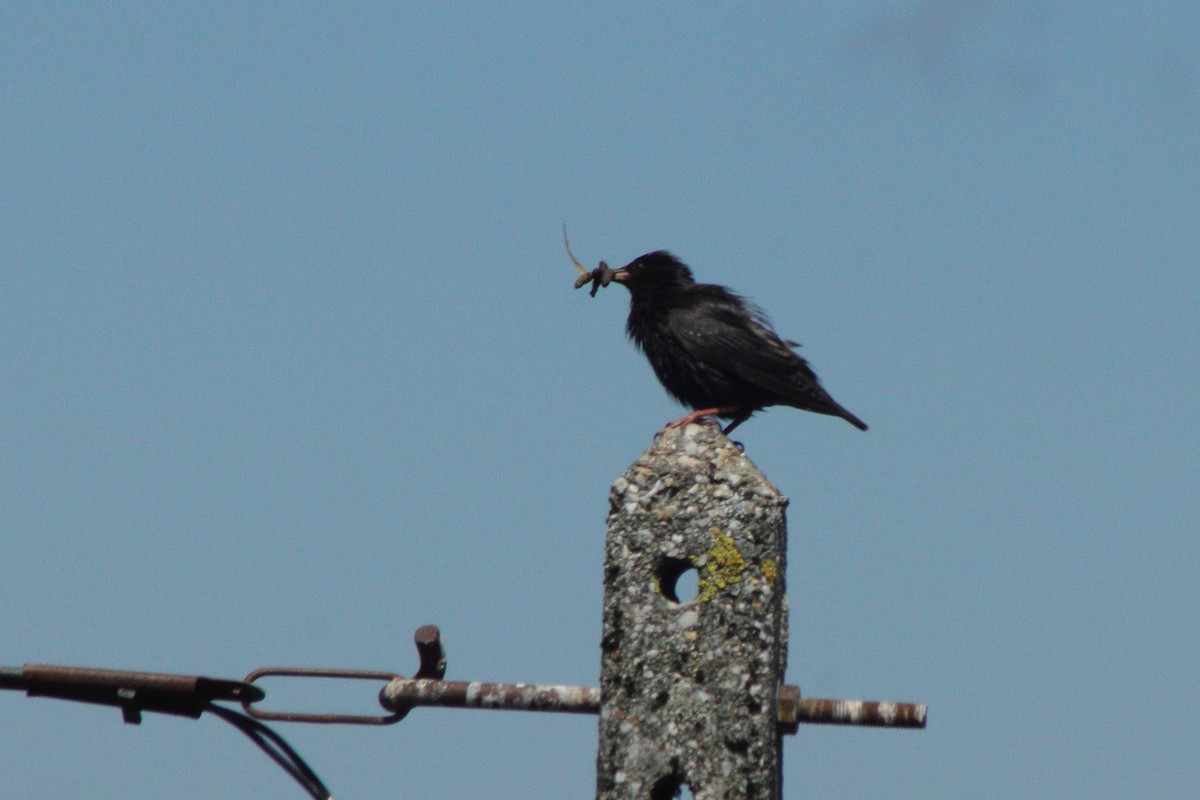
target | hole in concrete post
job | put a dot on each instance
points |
(678, 580)
(670, 787)
(688, 586)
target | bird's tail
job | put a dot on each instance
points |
(853, 420)
(820, 402)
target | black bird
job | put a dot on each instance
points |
(712, 350)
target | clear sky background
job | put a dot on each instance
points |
(290, 364)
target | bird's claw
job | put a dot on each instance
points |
(690, 419)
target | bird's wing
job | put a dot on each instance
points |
(732, 340)
(742, 346)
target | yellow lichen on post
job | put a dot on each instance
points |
(770, 571)
(723, 566)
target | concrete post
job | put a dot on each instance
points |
(690, 686)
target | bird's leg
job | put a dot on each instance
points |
(738, 420)
(702, 413)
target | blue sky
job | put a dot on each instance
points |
(291, 365)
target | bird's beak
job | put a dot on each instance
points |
(621, 275)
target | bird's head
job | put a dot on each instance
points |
(654, 273)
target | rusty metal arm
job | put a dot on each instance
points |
(400, 695)
(794, 709)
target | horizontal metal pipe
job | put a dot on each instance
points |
(401, 694)
(862, 712)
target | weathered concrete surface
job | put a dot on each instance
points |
(690, 689)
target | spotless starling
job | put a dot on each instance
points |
(710, 349)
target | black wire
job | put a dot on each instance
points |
(12, 678)
(267, 740)
(274, 746)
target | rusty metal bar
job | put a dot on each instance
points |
(794, 709)
(400, 695)
(184, 694)
(862, 712)
(403, 694)
(190, 695)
